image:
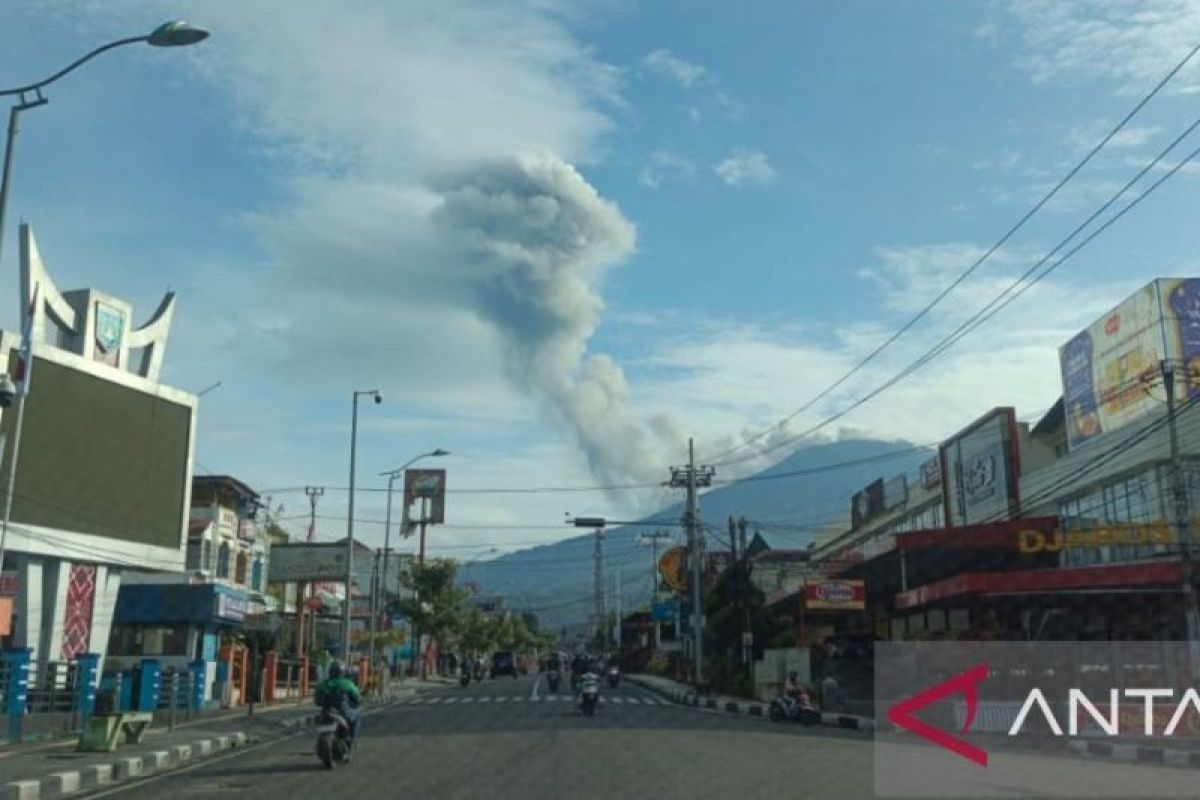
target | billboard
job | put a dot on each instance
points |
(866, 504)
(980, 470)
(895, 492)
(100, 457)
(292, 563)
(671, 567)
(427, 485)
(834, 595)
(1104, 367)
(931, 473)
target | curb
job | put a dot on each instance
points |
(1137, 753)
(750, 708)
(120, 769)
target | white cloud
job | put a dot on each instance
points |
(746, 166)
(664, 166)
(684, 73)
(1131, 41)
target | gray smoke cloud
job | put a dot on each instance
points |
(535, 237)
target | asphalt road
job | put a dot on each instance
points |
(494, 740)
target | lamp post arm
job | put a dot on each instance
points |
(73, 66)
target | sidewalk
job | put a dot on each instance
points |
(33, 772)
(685, 695)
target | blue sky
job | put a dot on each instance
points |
(563, 238)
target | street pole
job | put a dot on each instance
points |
(691, 478)
(387, 539)
(350, 523)
(744, 582)
(423, 523)
(374, 611)
(1183, 524)
(617, 592)
(598, 584)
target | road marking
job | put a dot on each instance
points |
(517, 699)
(434, 700)
(501, 699)
(451, 699)
(485, 699)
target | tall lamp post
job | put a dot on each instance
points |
(349, 603)
(169, 34)
(393, 476)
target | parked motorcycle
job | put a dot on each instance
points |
(793, 709)
(614, 676)
(554, 678)
(333, 746)
(590, 692)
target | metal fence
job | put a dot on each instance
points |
(175, 695)
(53, 687)
(289, 675)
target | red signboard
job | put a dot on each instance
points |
(835, 595)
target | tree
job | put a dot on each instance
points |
(437, 604)
(726, 622)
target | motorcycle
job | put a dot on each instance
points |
(554, 678)
(479, 673)
(590, 692)
(614, 677)
(801, 709)
(464, 679)
(333, 746)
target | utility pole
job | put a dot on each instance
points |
(691, 478)
(305, 588)
(617, 592)
(1183, 524)
(735, 577)
(374, 610)
(598, 581)
(744, 580)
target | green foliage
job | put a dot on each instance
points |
(438, 602)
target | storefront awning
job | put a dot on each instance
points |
(1059, 579)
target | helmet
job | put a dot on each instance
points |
(336, 669)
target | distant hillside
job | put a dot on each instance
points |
(556, 580)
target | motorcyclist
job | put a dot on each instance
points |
(339, 693)
(792, 688)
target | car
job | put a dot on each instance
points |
(504, 663)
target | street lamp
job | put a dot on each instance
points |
(169, 34)
(346, 612)
(393, 476)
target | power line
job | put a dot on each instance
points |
(1020, 223)
(991, 309)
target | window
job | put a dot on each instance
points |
(256, 575)
(223, 561)
(242, 565)
(148, 640)
(1138, 498)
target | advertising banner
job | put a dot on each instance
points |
(895, 492)
(428, 485)
(1106, 367)
(866, 504)
(834, 595)
(665, 611)
(290, 563)
(671, 568)
(981, 472)
(931, 473)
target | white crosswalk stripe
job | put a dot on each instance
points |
(485, 699)
(451, 699)
(501, 699)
